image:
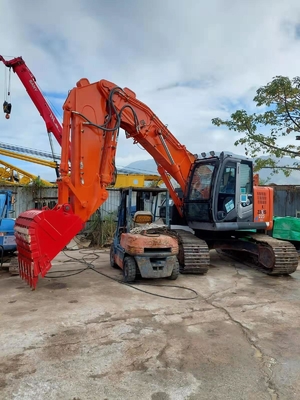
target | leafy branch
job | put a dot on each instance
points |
(261, 132)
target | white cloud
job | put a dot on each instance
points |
(231, 48)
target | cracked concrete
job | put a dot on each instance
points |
(88, 337)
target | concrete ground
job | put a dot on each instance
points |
(88, 337)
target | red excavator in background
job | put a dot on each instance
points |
(219, 201)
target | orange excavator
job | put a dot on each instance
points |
(218, 201)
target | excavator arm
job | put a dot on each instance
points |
(96, 112)
(93, 115)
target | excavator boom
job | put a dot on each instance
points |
(93, 115)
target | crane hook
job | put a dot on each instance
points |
(7, 109)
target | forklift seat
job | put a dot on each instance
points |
(142, 218)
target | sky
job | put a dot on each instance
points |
(188, 61)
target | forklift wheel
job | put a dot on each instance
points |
(129, 269)
(111, 257)
(175, 271)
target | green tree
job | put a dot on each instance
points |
(261, 132)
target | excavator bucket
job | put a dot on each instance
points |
(40, 236)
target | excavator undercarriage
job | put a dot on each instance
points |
(193, 254)
(266, 254)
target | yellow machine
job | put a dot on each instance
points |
(12, 175)
(137, 180)
(123, 179)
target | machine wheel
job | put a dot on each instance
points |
(111, 257)
(175, 271)
(129, 269)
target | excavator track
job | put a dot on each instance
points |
(193, 254)
(276, 257)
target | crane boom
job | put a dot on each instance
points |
(30, 151)
(28, 80)
(12, 175)
(24, 157)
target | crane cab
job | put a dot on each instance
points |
(221, 196)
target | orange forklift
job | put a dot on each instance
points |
(143, 245)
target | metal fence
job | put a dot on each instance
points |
(25, 198)
(286, 200)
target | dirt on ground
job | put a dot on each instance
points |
(83, 336)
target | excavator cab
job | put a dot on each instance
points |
(220, 196)
(142, 244)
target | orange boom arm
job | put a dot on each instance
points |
(93, 115)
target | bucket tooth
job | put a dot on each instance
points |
(40, 236)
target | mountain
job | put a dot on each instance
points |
(140, 167)
(149, 167)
